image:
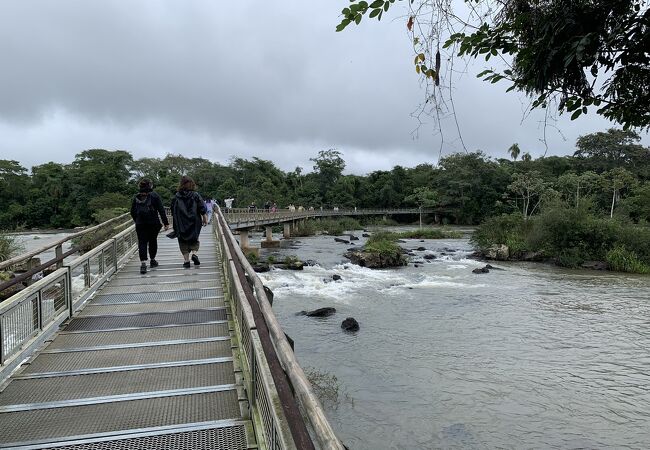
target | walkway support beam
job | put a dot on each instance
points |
(286, 230)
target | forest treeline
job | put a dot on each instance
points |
(609, 174)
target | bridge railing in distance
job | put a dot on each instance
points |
(260, 383)
(30, 317)
(236, 216)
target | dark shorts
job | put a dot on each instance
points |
(187, 246)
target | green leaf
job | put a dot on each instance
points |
(363, 5)
(357, 20)
(374, 13)
(377, 4)
(344, 23)
(576, 114)
(485, 72)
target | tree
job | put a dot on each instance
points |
(423, 197)
(604, 151)
(615, 180)
(514, 151)
(574, 186)
(328, 166)
(530, 187)
(581, 53)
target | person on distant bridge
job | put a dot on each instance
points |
(146, 206)
(228, 203)
(189, 213)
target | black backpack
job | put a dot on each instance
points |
(143, 208)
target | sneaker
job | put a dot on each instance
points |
(143, 268)
(196, 261)
(186, 264)
(153, 263)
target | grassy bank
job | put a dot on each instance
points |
(569, 237)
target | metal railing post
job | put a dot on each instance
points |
(2, 340)
(114, 247)
(68, 290)
(58, 251)
(39, 306)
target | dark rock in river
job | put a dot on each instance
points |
(532, 256)
(429, 256)
(498, 252)
(310, 262)
(350, 324)
(365, 235)
(415, 265)
(295, 265)
(375, 260)
(269, 294)
(320, 312)
(481, 270)
(353, 237)
(420, 249)
(261, 267)
(289, 340)
(343, 241)
(595, 265)
(336, 277)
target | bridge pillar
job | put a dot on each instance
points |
(269, 242)
(286, 231)
(244, 242)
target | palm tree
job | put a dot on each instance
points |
(514, 151)
(526, 157)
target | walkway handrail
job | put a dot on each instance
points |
(303, 392)
(31, 316)
(59, 243)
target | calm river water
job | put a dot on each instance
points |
(531, 356)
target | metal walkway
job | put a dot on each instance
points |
(147, 364)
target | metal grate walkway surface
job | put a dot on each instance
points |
(148, 363)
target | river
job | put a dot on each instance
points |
(531, 356)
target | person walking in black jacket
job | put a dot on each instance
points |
(189, 213)
(145, 209)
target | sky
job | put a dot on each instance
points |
(217, 80)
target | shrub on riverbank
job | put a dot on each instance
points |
(9, 247)
(569, 237)
(621, 259)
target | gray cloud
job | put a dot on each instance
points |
(216, 79)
